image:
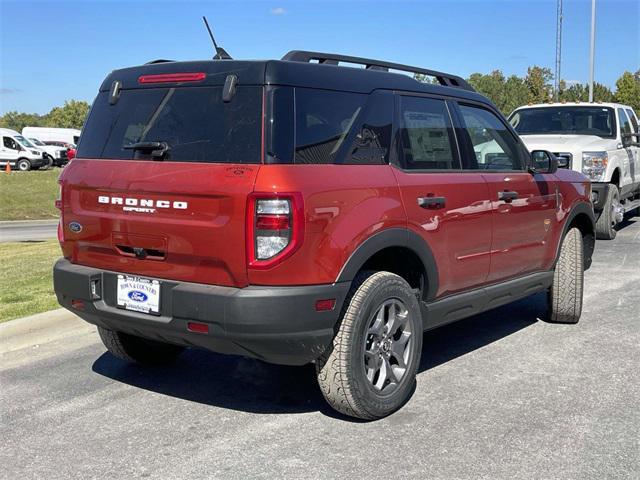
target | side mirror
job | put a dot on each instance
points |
(627, 140)
(543, 161)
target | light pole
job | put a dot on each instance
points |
(593, 48)
(556, 86)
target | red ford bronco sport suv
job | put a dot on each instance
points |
(301, 211)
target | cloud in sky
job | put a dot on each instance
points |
(9, 91)
(278, 11)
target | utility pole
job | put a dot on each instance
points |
(556, 87)
(593, 48)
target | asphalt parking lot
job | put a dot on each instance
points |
(500, 395)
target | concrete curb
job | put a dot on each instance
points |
(40, 328)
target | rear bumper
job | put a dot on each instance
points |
(274, 324)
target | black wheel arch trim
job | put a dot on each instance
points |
(578, 209)
(393, 237)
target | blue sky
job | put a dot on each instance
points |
(55, 50)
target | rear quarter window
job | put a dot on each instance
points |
(313, 126)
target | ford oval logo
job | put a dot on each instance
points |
(75, 227)
(137, 296)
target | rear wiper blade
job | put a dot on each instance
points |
(157, 149)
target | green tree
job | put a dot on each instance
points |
(628, 89)
(71, 115)
(580, 93)
(422, 78)
(506, 93)
(538, 81)
(516, 94)
(18, 120)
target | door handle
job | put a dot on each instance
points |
(432, 202)
(507, 196)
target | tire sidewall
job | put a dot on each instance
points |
(372, 401)
(23, 161)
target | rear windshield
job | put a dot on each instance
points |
(194, 122)
(597, 121)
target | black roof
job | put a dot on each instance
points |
(297, 70)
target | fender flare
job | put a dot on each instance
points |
(577, 209)
(393, 237)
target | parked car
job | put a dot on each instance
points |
(56, 155)
(69, 135)
(70, 147)
(597, 139)
(302, 211)
(19, 152)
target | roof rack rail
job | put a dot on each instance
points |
(444, 79)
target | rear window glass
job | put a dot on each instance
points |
(194, 122)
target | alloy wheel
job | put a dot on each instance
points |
(388, 346)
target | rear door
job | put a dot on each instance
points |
(523, 205)
(631, 175)
(635, 149)
(176, 211)
(449, 208)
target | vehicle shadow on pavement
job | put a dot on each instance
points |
(252, 386)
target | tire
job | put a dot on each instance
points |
(606, 220)
(138, 350)
(23, 165)
(355, 386)
(565, 294)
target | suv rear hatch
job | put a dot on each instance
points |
(163, 170)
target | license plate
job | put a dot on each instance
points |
(139, 294)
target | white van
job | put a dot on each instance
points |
(19, 152)
(44, 134)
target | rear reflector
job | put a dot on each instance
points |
(272, 222)
(172, 77)
(78, 304)
(325, 305)
(198, 327)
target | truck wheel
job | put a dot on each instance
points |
(369, 370)
(49, 160)
(565, 294)
(607, 219)
(24, 165)
(139, 350)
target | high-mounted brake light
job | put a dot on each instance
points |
(172, 77)
(275, 228)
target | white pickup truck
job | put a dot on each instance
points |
(598, 139)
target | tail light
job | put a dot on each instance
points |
(275, 228)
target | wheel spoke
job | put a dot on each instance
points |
(377, 325)
(384, 374)
(397, 352)
(399, 321)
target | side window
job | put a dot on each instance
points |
(625, 124)
(10, 143)
(426, 135)
(372, 138)
(493, 145)
(323, 120)
(633, 119)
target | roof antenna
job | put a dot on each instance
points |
(221, 53)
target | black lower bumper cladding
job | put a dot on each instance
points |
(275, 324)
